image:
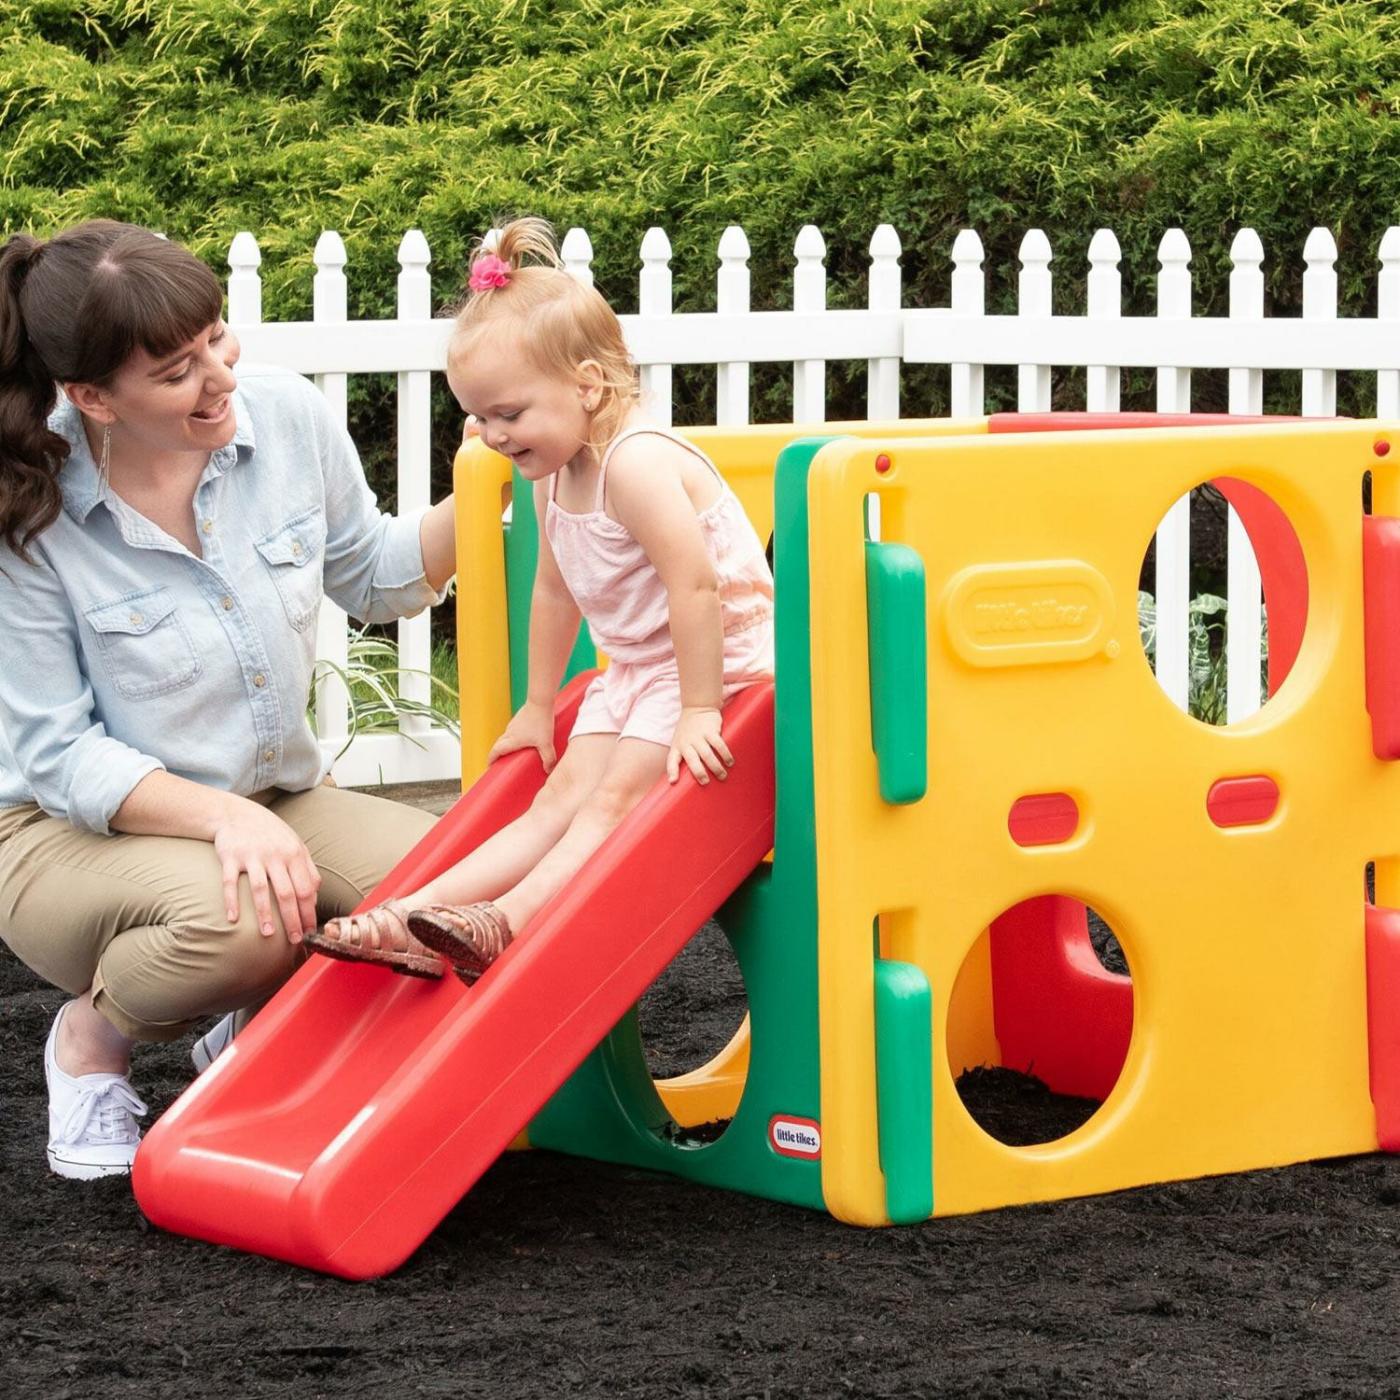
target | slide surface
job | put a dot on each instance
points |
(360, 1106)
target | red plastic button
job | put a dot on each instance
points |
(1043, 819)
(1242, 801)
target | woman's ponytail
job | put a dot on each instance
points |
(31, 454)
(72, 311)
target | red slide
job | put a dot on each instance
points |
(360, 1106)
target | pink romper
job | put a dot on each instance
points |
(620, 593)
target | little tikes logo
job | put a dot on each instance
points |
(795, 1137)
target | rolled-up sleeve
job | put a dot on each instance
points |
(374, 562)
(74, 767)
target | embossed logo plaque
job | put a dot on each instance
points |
(1038, 613)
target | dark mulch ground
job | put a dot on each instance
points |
(564, 1277)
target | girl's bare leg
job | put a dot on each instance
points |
(631, 771)
(508, 856)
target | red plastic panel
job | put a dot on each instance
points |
(360, 1106)
(1242, 801)
(1381, 572)
(1058, 1012)
(1043, 819)
(1086, 422)
(1383, 1020)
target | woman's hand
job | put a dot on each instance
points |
(531, 727)
(252, 840)
(699, 744)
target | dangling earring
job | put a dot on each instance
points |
(104, 465)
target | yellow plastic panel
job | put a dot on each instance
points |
(1249, 1045)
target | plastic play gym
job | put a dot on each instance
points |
(965, 749)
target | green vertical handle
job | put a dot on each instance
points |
(895, 608)
(904, 1088)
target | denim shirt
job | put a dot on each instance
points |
(122, 653)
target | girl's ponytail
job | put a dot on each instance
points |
(31, 454)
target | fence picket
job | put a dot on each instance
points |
(655, 300)
(1320, 304)
(244, 283)
(1388, 309)
(1102, 383)
(329, 302)
(732, 299)
(1243, 632)
(415, 444)
(809, 295)
(576, 251)
(969, 298)
(1174, 534)
(1034, 302)
(886, 294)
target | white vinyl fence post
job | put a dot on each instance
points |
(328, 309)
(1320, 304)
(732, 299)
(808, 295)
(886, 294)
(1388, 309)
(244, 283)
(1034, 299)
(577, 254)
(654, 299)
(415, 303)
(1174, 534)
(1243, 631)
(1102, 383)
(969, 298)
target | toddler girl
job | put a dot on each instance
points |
(641, 536)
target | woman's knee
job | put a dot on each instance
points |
(160, 980)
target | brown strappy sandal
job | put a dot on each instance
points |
(341, 939)
(470, 936)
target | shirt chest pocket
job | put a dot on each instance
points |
(145, 645)
(294, 556)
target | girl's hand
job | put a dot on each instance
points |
(252, 840)
(698, 744)
(531, 727)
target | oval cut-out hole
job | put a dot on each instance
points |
(1043, 819)
(1242, 801)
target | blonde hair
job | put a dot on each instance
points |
(560, 321)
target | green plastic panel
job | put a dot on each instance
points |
(895, 606)
(609, 1109)
(904, 1088)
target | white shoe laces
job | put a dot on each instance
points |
(102, 1112)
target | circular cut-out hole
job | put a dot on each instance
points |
(687, 1018)
(1040, 1021)
(1218, 643)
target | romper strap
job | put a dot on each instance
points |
(634, 432)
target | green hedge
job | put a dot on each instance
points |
(202, 117)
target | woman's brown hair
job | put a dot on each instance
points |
(72, 310)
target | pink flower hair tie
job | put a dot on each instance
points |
(488, 272)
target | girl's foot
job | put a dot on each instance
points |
(379, 935)
(470, 936)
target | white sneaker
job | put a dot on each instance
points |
(212, 1044)
(92, 1118)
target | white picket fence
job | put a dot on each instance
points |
(884, 334)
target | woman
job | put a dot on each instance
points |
(166, 533)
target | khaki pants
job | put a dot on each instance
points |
(141, 919)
